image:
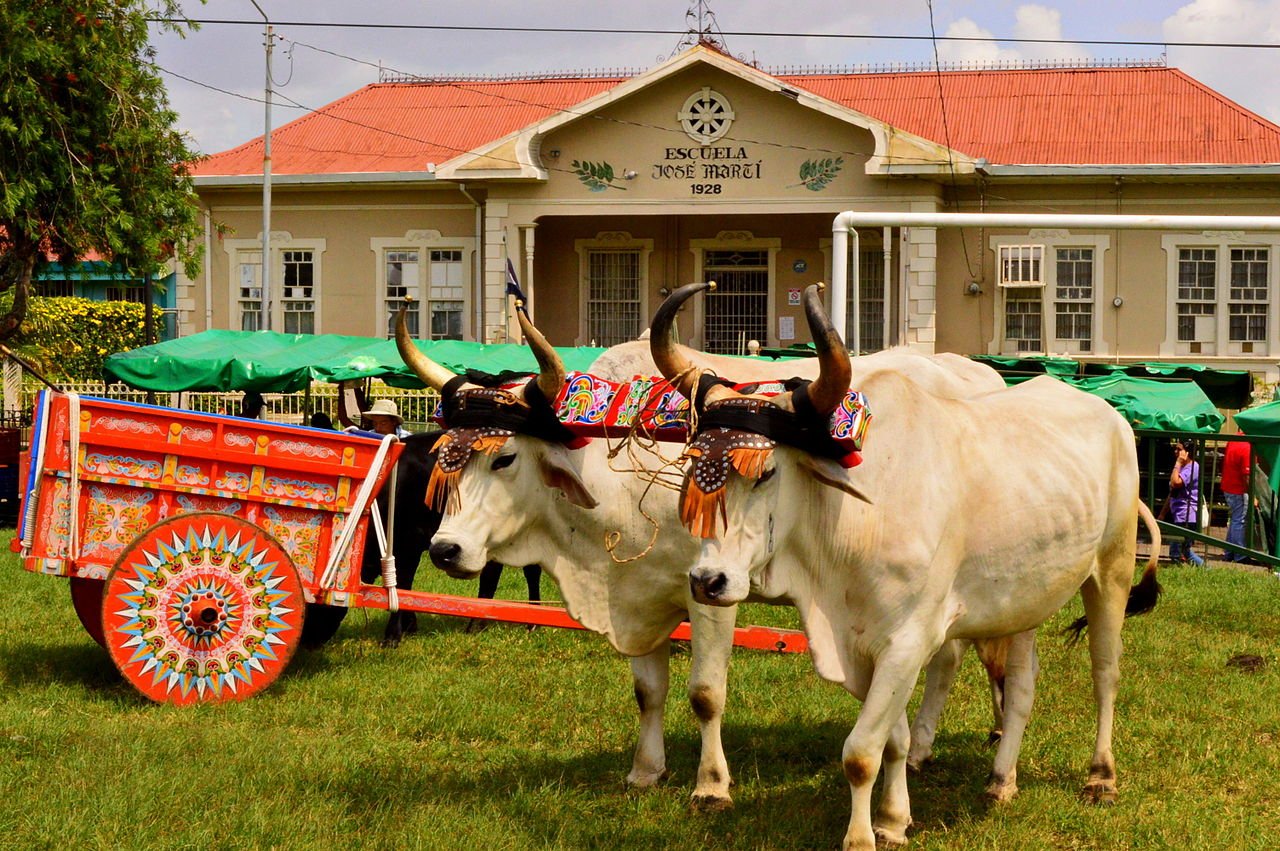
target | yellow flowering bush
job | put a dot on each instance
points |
(68, 338)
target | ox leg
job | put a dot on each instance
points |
(652, 675)
(884, 706)
(1105, 609)
(938, 679)
(1021, 668)
(712, 628)
(893, 816)
(994, 653)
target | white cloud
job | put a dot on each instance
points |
(1235, 72)
(1031, 21)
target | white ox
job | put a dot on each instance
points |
(967, 519)
(508, 513)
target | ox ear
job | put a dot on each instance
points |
(832, 475)
(557, 473)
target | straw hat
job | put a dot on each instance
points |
(385, 408)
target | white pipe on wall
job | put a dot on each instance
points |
(849, 221)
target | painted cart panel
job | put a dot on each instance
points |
(140, 464)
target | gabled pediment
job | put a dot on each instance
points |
(517, 156)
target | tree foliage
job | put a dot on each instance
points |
(90, 160)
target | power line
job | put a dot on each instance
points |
(741, 33)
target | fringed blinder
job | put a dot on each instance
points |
(713, 452)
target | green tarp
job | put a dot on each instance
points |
(1231, 389)
(1264, 421)
(270, 362)
(1164, 405)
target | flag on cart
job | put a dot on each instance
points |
(513, 288)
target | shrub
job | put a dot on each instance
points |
(68, 338)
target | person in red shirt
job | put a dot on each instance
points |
(1235, 487)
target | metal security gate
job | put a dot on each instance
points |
(738, 310)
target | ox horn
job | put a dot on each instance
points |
(671, 361)
(432, 374)
(550, 367)
(835, 371)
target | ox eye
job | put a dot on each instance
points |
(503, 461)
(765, 476)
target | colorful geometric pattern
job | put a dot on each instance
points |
(203, 608)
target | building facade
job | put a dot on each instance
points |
(605, 192)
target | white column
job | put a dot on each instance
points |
(922, 288)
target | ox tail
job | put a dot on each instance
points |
(1143, 596)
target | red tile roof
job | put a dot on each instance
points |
(1095, 116)
(390, 127)
(1103, 116)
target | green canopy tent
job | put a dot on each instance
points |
(270, 362)
(1176, 406)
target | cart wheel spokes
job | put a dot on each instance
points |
(202, 608)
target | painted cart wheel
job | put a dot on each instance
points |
(202, 608)
(86, 596)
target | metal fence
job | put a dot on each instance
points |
(416, 406)
(1155, 460)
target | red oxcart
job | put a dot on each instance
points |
(194, 541)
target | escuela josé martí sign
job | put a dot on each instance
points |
(706, 117)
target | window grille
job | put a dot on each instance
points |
(299, 292)
(1073, 308)
(1023, 316)
(738, 309)
(613, 296)
(249, 297)
(135, 294)
(1247, 302)
(1021, 266)
(403, 290)
(59, 288)
(1197, 293)
(871, 303)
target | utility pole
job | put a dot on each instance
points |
(264, 319)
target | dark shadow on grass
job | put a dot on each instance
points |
(791, 792)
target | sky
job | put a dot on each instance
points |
(216, 76)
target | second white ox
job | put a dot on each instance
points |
(535, 501)
(967, 519)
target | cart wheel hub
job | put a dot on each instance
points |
(205, 613)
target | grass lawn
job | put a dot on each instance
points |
(514, 739)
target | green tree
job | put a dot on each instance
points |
(90, 160)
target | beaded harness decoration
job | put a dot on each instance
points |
(482, 419)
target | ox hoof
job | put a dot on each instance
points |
(1100, 793)
(1001, 793)
(994, 737)
(476, 625)
(886, 838)
(711, 803)
(645, 779)
(916, 764)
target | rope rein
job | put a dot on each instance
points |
(669, 473)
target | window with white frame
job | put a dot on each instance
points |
(249, 289)
(299, 301)
(427, 274)
(613, 296)
(1021, 265)
(1073, 291)
(1197, 294)
(444, 303)
(1049, 293)
(1221, 294)
(294, 299)
(1248, 299)
(402, 290)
